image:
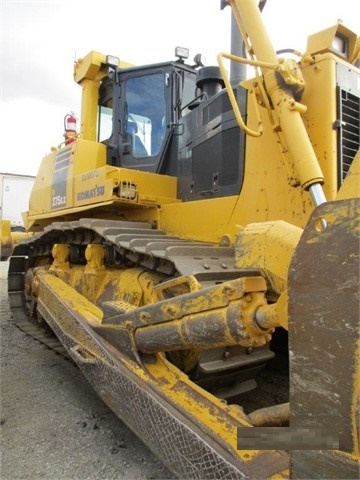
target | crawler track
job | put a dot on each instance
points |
(125, 242)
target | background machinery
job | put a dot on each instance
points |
(196, 253)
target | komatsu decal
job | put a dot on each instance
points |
(90, 175)
(97, 191)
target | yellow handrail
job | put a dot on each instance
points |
(229, 88)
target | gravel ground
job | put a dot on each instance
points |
(53, 425)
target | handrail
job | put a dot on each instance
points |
(229, 88)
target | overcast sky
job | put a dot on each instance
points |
(40, 39)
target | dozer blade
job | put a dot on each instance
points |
(324, 333)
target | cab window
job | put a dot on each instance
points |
(145, 114)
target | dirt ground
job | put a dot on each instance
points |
(53, 425)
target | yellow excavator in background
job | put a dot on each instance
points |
(196, 254)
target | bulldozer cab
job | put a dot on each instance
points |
(138, 110)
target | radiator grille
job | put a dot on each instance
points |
(349, 109)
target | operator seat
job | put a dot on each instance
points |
(138, 148)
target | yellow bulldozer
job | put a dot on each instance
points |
(196, 253)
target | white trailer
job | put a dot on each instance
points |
(14, 197)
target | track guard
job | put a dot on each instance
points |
(324, 338)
